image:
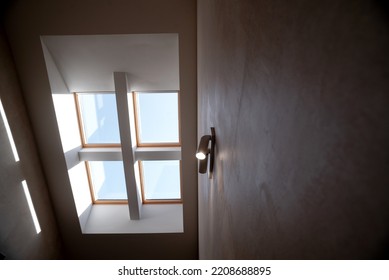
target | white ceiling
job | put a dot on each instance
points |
(86, 63)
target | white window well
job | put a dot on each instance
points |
(159, 169)
(124, 157)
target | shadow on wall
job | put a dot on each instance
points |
(219, 213)
(384, 253)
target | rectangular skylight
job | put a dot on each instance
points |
(99, 118)
(161, 180)
(157, 126)
(108, 180)
(157, 117)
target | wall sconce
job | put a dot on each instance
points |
(204, 150)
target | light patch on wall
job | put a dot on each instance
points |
(9, 133)
(67, 121)
(31, 206)
(79, 182)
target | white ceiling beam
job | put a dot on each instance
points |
(134, 201)
(158, 153)
(100, 154)
(115, 154)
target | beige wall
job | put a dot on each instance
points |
(18, 238)
(298, 94)
(25, 22)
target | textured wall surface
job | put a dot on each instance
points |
(18, 237)
(298, 94)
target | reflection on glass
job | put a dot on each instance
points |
(108, 180)
(100, 118)
(161, 179)
(158, 117)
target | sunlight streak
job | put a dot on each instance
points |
(7, 128)
(31, 206)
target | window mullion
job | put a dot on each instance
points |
(134, 201)
(100, 154)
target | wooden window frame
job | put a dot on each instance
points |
(92, 191)
(158, 201)
(81, 124)
(118, 145)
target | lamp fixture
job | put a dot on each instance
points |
(204, 150)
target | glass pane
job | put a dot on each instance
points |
(161, 179)
(158, 117)
(100, 118)
(108, 179)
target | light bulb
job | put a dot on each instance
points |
(200, 155)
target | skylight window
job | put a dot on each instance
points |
(107, 180)
(157, 118)
(99, 118)
(161, 180)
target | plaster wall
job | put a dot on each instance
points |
(298, 94)
(18, 237)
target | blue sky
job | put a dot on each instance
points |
(158, 117)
